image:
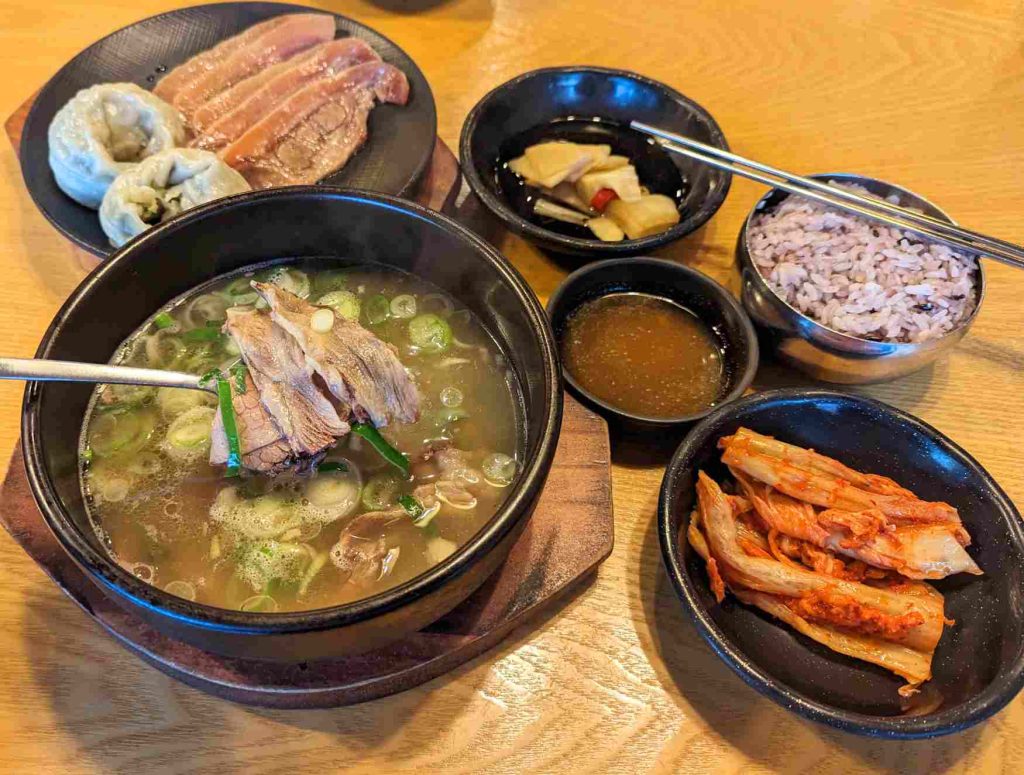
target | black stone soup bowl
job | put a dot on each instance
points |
(340, 226)
(979, 663)
(600, 102)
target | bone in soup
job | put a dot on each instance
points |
(365, 427)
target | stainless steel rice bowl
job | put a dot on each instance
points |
(814, 348)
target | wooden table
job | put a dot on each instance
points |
(927, 94)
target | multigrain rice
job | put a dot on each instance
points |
(860, 277)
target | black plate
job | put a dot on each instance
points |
(395, 155)
(618, 96)
(979, 664)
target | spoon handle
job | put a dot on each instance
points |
(70, 371)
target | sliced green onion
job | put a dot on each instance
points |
(238, 372)
(130, 396)
(403, 306)
(425, 520)
(451, 397)
(227, 416)
(446, 416)
(378, 309)
(208, 306)
(292, 280)
(202, 334)
(332, 465)
(123, 432)
(163, 350)
(411, 505)
(145, 463)
(259, 604)
(175, 401)
(455, 495)
(181, 589)
(330, 281)
(113, 408)
(379, 443)
(191, 430)
(281, 586)
(430, 333)
(87, 454)
(241, 286)
(437, 303)
(333, 494)
(499, 469)
(202, 357)
(163, 320)
(105, 484)
(345, 303)
(380, 491)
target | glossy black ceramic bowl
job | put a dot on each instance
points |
(540, 97)
(341, 227)
(979, 664)
(690, 289)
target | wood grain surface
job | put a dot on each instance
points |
(927, 94)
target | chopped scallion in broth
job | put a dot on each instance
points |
(382, 506)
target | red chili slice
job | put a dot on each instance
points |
(602, 198)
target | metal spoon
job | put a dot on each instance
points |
(39, 370)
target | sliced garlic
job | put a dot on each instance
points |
(322, 320)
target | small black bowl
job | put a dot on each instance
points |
(337, 227)
(979, 664)
(691, 289)
(553, 94)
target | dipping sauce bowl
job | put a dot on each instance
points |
(691, 290)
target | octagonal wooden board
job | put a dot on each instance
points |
(569, 535)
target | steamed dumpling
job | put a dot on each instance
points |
(104, 130)
(162, 186)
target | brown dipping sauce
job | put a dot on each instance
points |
(643, 354)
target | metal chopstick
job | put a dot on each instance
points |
(39, 370)
(875, 209)
(842, 193)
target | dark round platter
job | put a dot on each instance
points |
(401, 139)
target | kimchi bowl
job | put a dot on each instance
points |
(978, 665)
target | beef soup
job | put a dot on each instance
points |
(365, 427)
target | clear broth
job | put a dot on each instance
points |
(265, 545)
